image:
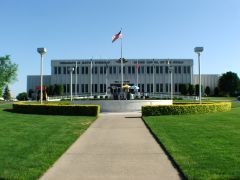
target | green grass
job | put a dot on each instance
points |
(30, 144)
(205, 146)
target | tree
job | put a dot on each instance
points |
(30, 92)
(207, 90)
(197, 89)
(216, 91)
(229, 84)
(50, 90)
(22, 96)
(191, 89)
(58, 89)
(8, 71)
(6, 93)
(183, 88)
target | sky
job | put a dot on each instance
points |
(79, 29)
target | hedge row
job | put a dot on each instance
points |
(57, 109)
(185, 108)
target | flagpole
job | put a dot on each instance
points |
(137, 72)
(121, 64)
(106, 76)
(76, 79)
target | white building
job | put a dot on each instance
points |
(153, 75)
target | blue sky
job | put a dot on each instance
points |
(152, 29)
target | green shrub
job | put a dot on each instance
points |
(185, 108)
(57, 109)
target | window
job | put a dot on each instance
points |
(101, 70)
(142, 69)
(184, 69)
(78, 70)
(64, 88)
(59, 70)
(129, 69)
(151, 69)
(119, 69)
(96, 88)
(78, 88)
(157, 69)
(188, 70)
(86, 70)
(157, 87)
(110, 70)
(101, 88)
(142, 87)
(176, 87)
(161, 87)
(105, 69)
(148, 88)
(166, 85)
(64, 70)
(105, 88)
(73, 88)
(95, 70)
(151, 87)
(148, 70)
(133, 69)
(55, 70)
(86, 88)
(124, 70)
(114, 69)
(179, 69)
(166, 69)
(161, 69)
(83, 70)
(175, 69)
(82, 88)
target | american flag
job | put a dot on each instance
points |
(116, 36)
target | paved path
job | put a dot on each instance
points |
(117, 146)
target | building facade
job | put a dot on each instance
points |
(95, 76)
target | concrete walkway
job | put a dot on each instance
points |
(116, 146)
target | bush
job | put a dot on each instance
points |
(22, 96)
(185, 108)
(57, 109)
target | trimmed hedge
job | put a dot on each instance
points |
(185, 108)
(57, 109)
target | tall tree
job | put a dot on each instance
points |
(207, 90)
(229, 84)
(8, 71)
(22, 96)
(6, 93)
(191, 89)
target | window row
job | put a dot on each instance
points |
(126, 69)
(85, 88)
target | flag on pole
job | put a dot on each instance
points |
(116, 36)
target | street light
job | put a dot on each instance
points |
(41, 51)
(71, 72)
(198, 50)
(171, 78)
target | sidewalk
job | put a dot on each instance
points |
(116, 146)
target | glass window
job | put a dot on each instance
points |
(86, 70)
(166, 69)
(157, 69)
(64, 70)
(96, 70)
(161, 69)
(101, 70)
(179, 69)
(78, 88)
(96, 88)
(101, 88)
(129, 69)
(119, 68)
(142, 87)
(83, 70)
(157, 87)
(188, 70)
(148, 88)
(55, 70)
(133, 69)
(114, 69)
(124, 70)
(151, 87)
(151, 69)
(86, 88)
(78, 70)
(82, 87)
(148, 70)
(175, 69)
(166, 85)
(110, 70)
(68, 88)
(184, 69)
(161, 87)
(142, 69)
(59, 70)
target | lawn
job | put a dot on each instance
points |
(205, 146)
(30, 144)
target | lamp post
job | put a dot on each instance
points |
(171, 79)
(198, 50)
(41, 51)
(71, 72)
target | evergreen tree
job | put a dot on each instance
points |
(6, 93)
(191, 89)
(207, 90)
